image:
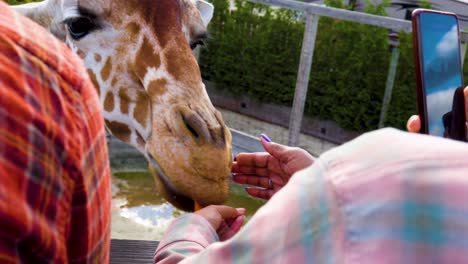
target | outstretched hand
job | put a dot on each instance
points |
(414, 122)
(269, 170)
(226, 220)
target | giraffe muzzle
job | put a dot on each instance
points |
(190, 156)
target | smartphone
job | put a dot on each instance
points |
(436, 44)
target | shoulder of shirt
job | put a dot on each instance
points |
(41, 44)
(390, 145)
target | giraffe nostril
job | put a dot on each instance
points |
(196, 126)
(192, 130)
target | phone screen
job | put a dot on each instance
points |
(441, 69)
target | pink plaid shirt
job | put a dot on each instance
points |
(385, 197)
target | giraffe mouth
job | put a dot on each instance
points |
(171, 193)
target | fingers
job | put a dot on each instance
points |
(293, 157)
(245, 160)
(263, 182)
(277, 182)
(256, 171)
(230, 227)
(237, 224)
(269, 159)
(216, 214)
(227, 211)
(414, 124)
(241, 211)
(260, 163)
(230, 224)
(275, 149)
(260, 193)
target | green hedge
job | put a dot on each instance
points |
(254, 50)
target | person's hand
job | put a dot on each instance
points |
(269, 170)
(414, 122)
(226, 220)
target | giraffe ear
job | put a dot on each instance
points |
(206, 11)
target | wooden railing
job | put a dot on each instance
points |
(132, 251)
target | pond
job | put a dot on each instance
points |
(139, 212)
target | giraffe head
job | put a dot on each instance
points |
(139, 55)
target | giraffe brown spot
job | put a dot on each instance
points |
(114, 81)
(166, 23)
(92, 76)
(97, 57)
(181, 64)
(124, 101)
(142, 108)
(157, 87)
(134, 29)
(119, 130)
(81, 54)
(146, 58)
(109, 102)
(163, 17)
(106, 70)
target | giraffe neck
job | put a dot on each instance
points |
(125, 104)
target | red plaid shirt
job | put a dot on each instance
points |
(54, 172)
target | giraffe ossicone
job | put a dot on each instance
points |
(138, 54)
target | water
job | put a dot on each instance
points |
(139, 212)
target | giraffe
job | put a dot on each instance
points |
(138, 54)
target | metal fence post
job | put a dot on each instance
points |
(390, 78)
(297, 111)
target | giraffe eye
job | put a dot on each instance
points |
(79, 27)
(196, 43)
